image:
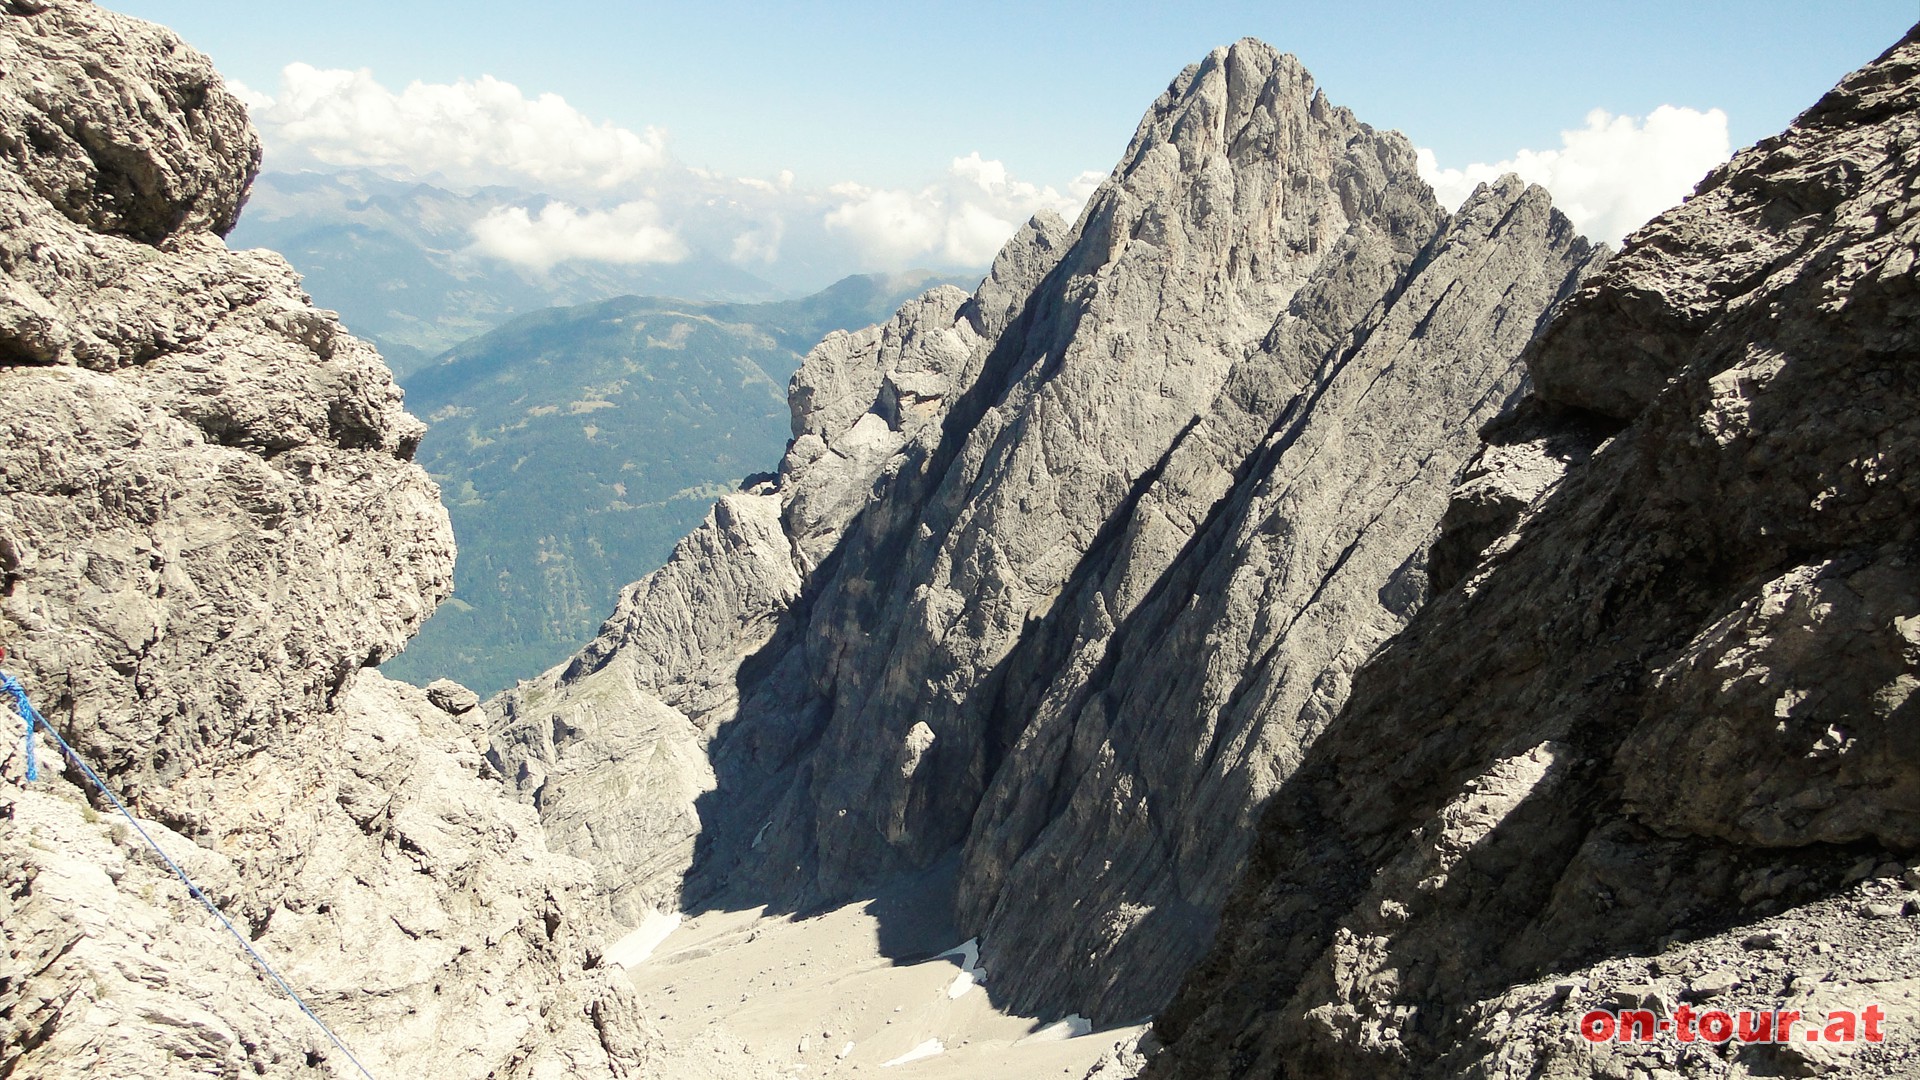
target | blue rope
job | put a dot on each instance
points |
(10, 685)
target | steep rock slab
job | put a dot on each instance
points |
(1670, 703)
(613, 747)
(1175, 715)
(1060, 553)
(1045, 399)
(209, 520)
(371, 858)
(1241, 182)
(209, 525)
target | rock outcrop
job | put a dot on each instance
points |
(1655, 743)
(210, 524)
(1063, 577)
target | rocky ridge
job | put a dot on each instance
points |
(1070, 569)
(1654, 743)
(210, 525)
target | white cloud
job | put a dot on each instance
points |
(628, 233)
(615, 195)
(781, 183)
(759, 243)
(893, 225)
(473, 131)
(1610, 176)
(964, 218)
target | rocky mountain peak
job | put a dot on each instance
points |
(1654, 739)
(1058, 580)
(1362, 635)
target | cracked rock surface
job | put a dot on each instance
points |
(1656, 741)
(1065, 575)
(210, 526)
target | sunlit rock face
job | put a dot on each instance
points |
(1655, 742)
(1061, 578)
(210, 525)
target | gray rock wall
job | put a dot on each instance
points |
(210, 524)
(1204, 658)
(1071, 571)
(1655, 743)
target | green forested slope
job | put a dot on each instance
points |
(574, 446)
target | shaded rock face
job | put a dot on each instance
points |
(1064, 576)
(210, 523)
(1659, 737)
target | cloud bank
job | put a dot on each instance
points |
(628, 233)
(963, 218)
(622, 198)
(1610, 176)
(480, 131)
(627, 201)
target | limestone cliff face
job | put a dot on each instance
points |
(1064, 576)
(210, 523)
(1655, 743)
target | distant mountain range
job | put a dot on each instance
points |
(581, 421)
(575, 445)
(394, 258)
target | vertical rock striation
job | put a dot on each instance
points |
(1657, 738)
(1212, 642)
(1065, 576)
(210, 523)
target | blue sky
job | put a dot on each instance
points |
(882, 91)
(913, 134)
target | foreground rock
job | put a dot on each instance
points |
(1657, 744)
(371, 859)
(209, 525)
(1065, 574)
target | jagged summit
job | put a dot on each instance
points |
(1061, 577)
(1656, 744)
(1130, 575)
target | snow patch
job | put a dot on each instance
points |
(1069, 1027)
(962, 983)
(930, 1048)
(971, 973)
(633, 949)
